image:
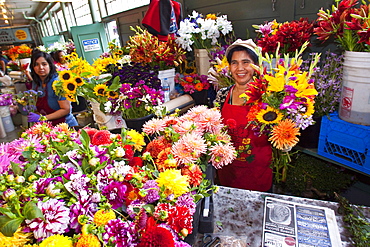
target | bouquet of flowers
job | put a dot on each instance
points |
(19, 52)
(219, 74)
(146, 48)
(347, 23)
(281, 104)
(327, 77)
(202, 33)
(6, 99)
(27, 100)
(192, 83)
(56, 46)
(95, 188)
(13, 66)
(289, 36)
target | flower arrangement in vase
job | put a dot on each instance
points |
(347, 23)
(202, 33)
(192, 83)
(286, 37)
(27, 101)
(146, 48)
(282, 103)
(95, 188)
(19, 52)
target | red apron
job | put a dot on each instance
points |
(251, 170)
(43, 108)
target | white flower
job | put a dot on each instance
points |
(107, 106)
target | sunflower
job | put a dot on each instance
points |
(112, 94)
(71, 97)
(78, 80)
(269, 116)
(69, 87)
(100, 89)
(65, 75)
(284, 135)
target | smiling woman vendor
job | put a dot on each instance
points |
(54, 108)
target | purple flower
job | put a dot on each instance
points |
(152, 191)
(115, 192)
(82, 207)
(56, 219)
(187, 201)
(121, 233)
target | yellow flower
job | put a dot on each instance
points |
(276, 83)
(310, 108)
(100, 89)
(112, 94)
(174, 182)
(69, 87)
(137, 138)
(65, 75)
(269, 116)
(221, 64)
(102, 216)
(19, 239)
(70, 97)
(284, 135)
(211, 16)
(57, 241)
(88, 240)
(78, 80)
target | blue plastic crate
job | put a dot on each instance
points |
(345, 142)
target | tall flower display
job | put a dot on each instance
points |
(347, 23)
(199, 32)
(282, 103)
(289, 36)
(94, 188)
(19, 52)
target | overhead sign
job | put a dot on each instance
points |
(15, 35)
(91, 44)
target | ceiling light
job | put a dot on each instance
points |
(5, 16)
(52, 1)
(6, 21)
(4, 10)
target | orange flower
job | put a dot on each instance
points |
(284, 135)
(189, 79)
(198, 86)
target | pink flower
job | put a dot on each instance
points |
(56, 219)
(154, 126)
(189, 148)
(222, 154)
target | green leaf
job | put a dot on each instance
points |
(30, 170)
(9, 226)
(31, 211)
(85, 138)
(8, 213)
(27, 154)
(85, 74)
(16, 169)
(149, 208)
(116, 84)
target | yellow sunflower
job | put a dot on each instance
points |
(310, 108)
(112, 94)
(69, 87)
(65, 75)
(269, 116)
(79, 81)
(71, 97)
(100, 89)
(284, 135)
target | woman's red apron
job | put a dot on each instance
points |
(251, 170)
(43, 108)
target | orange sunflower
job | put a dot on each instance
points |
(284, 135)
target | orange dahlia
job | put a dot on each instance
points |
(284, 135)
(88, 240)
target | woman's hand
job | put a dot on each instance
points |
(33, 117)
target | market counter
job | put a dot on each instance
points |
(238, 216)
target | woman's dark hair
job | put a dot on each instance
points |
(251, 53)
(36, 54)
(55, 55)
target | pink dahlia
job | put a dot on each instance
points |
(222, 154)
(189, 148)
(56, 219)
(154, 126)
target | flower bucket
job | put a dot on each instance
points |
(309, 137)
(109, 121)
(202, 61)
(354, 106)
(8, 123)
(2, 130)
(24, 61)
(137, 123)
(4, 111)
(200, 97)
(167, 76)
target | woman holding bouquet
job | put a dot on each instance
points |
(251, 169)
(50, 106)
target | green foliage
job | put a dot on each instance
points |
(324, 177)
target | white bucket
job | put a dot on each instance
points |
(2, 130)
(109, 121)
(355, 99)
(202, 61)
(167, 75)
(8, 123)
(4, 111)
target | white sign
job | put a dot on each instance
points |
(91, 45)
